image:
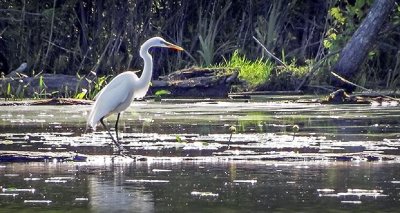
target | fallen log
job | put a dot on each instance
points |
(197, 82)
(53, 101)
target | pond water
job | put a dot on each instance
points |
(343, 158)
(200, 187)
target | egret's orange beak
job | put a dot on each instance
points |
(173, 46)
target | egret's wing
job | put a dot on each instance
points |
(114, 83)
(111, 85)
(109, 99)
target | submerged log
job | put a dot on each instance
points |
(197, 82)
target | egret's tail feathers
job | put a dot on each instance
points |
(92, 121)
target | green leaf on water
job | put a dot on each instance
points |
(162, 92)
(8, 89)
(178, 139)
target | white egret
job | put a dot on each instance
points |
(118, 95)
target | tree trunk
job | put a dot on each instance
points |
(356, 50)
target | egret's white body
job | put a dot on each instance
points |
(118, 95)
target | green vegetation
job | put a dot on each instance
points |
(93, 88)
(254, 73)
(179, 139)
(41, 92)
(103, 37)
(160, 93)
(96, 86)
(18, 89)
(81, 95)
(261, 73)
(380, 70)
(8, 93)
(287, 77)
(208, 30)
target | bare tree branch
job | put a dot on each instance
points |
(269, 53)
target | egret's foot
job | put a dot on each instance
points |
(119, 150)
(123, 151)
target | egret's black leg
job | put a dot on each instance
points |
(229, 141)
(116, 126)
(115, 142)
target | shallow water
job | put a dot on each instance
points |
(210, 117)
(310, 175)
(201, 128)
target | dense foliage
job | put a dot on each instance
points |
(73, 36)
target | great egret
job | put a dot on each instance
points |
(118, 95)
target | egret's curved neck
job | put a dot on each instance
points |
(145, 78)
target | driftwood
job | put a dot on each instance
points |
(197, 82)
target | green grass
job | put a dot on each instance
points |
(253, 72)
(93, 88)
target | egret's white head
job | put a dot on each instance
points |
(160, 42)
